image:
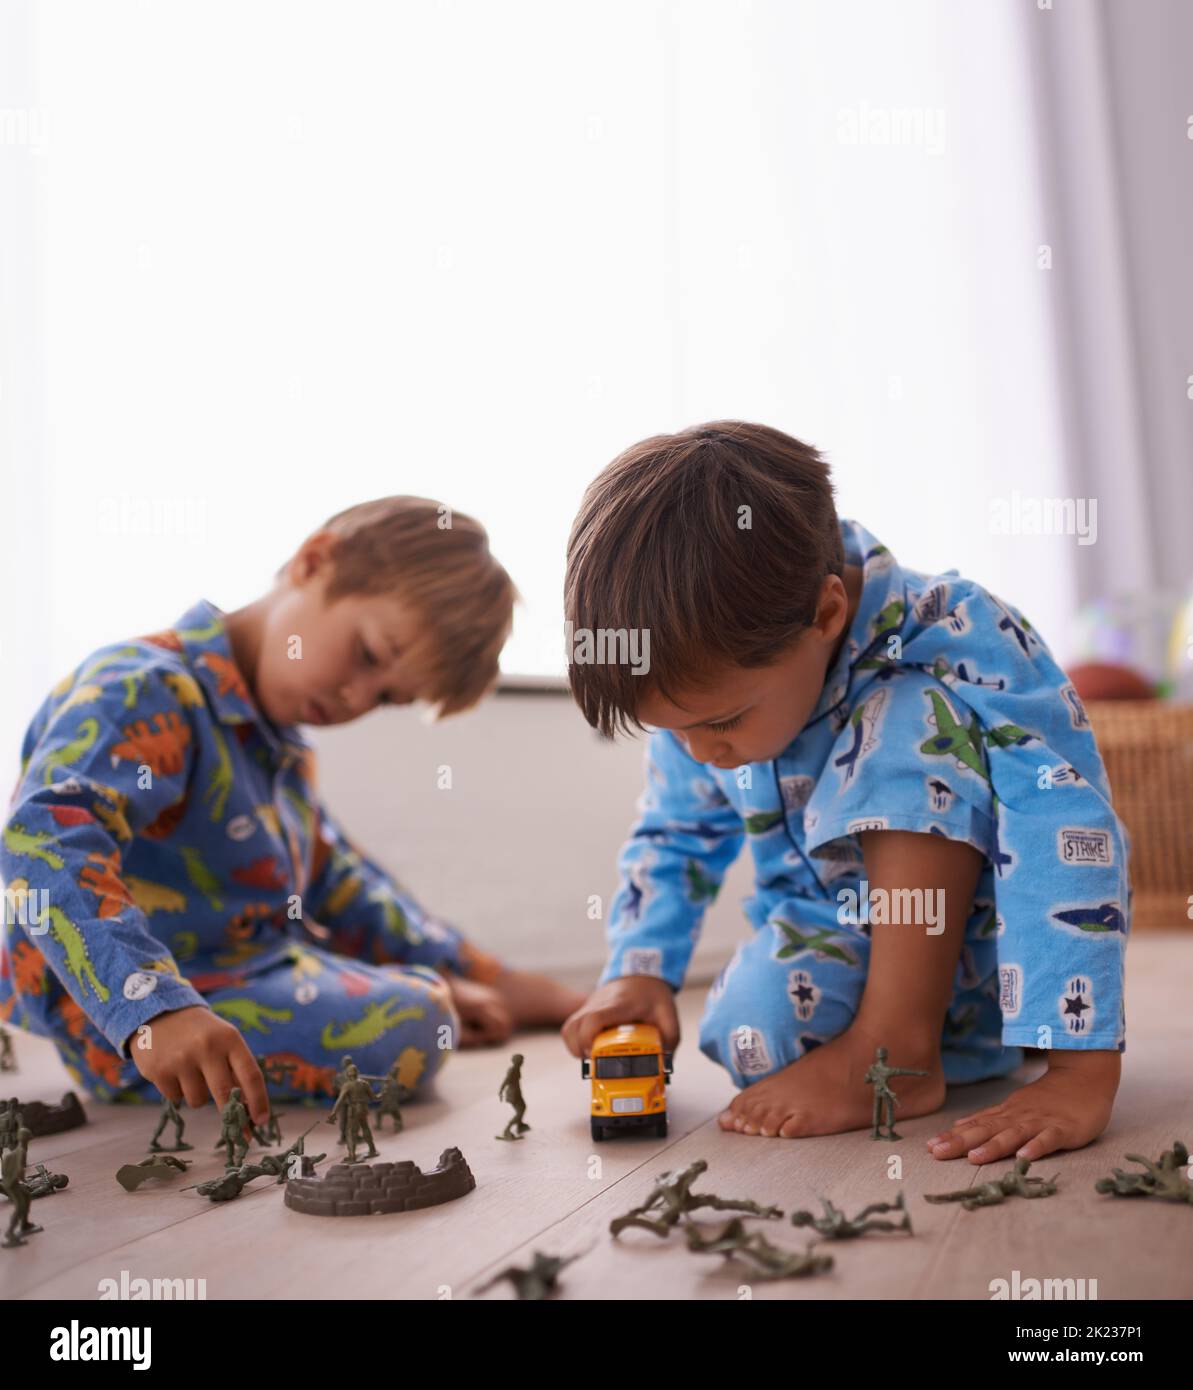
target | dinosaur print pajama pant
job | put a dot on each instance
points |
(300, 1009)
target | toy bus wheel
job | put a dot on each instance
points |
(598, 1131)
(660, 1129)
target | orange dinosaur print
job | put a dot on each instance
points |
(166, 823)
(227, 673)
(101, 876)
(102, 1063)
(28, 969)
(73, 1018)
(161, 749)
(303, 1075)
(265, 872)
(168, 639)
(71, 815)
(243, 926)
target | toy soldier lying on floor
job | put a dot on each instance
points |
(292, 1163)
(673, 1195)
(769, 1261)
(1013, 1183)
(1165, 1179)
(540, 1281)
(161, 1165)
(835, 1225)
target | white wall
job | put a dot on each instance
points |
(538, 808)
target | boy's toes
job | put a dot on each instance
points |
(794, 1125)
(771, 1121)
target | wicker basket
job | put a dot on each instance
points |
(1147, 746)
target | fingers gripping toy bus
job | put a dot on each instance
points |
(629, 1072)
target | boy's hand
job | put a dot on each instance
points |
(632, 999)
(485, 1018)
(193, 1053)
(1067, 1108)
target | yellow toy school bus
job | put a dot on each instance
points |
(629, 1072)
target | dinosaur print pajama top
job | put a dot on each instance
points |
(945, 714)
(165, 847)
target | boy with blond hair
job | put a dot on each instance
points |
(179, 899)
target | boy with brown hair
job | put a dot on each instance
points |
(180, 902)
(939, 869)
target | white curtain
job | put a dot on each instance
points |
(264, 259)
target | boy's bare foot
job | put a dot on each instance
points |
(825, 1091)
(536, 1001)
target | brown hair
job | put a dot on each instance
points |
(439, 562)
(717, 539)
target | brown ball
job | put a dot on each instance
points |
(1099, 680)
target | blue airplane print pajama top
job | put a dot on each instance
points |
(964, 727)
(165, 847)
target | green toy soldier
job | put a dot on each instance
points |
(877, 1075)
(393, 1093)
(230, 1185)
(170, 1116)
(1125, 1184)
(835, 1225)
(14, 1187)
(43, 1183)
(234, 1120)
(8, 1061)
(353, 1101)
(673, 1195)
(270, 1133)
(511, 1093)
(163, 1166)
(769, 1261)
(10, 1125)
(1164, 1179)
(1013, 1183)
(276, 1073)
(233, 1182)
(540, 1281)
(341, 1080)
(293, 1162)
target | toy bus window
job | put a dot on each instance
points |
(618, 1068)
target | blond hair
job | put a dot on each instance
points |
(439, 562)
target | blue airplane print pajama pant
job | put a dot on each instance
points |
(802, 964)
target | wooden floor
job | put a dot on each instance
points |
(556, 1191)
